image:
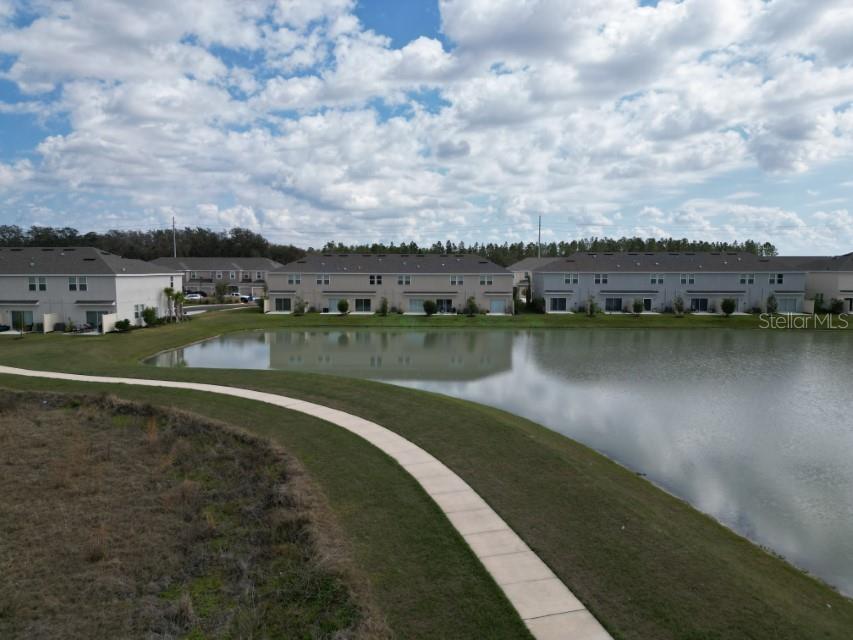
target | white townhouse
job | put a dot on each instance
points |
(615, 279)
(241, 276)
(830, 277)
(44, 286)
(404, 280)
(522, 274)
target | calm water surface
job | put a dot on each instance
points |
(752, 427)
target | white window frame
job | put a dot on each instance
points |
(375, 278)
(656, 278)
(688, 278)
(232, 275)
(404, 279)
(37, 283)
(362, 301)
(485, 279)
(570, 278)
(72, 283)
(456, 280)
(601, 278)
(259, 275)
(193, 275)
(294, 278)
(777, 278)
(219, 275)
(323, 278)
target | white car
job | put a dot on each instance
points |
(194, 297)
(247, 298)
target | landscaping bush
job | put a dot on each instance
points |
(383, 307)
(260, 303)
(123, 325)
(818, 303)
(393, 310)
(591, 307)
(539, 304)
(471, 309)
(343, 306)
(299, 307)
(430, 307)
(149, 315)
(637, 306)
(836, 306)
(772, 305)
(678, 305)
(517, 306)
(219, 292)
(728, 306)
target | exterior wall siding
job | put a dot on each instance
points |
(244, 283)
(495, 297)
(713, 287)
(102, 290)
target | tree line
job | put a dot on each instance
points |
(243, 243)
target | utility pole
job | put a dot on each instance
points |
(539, 240)
(174, 239)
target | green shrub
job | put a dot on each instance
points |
(539, 305)
(430, 307)
(772, 305)
(123, 325)
(728, 306)
(678, 305)
(219, 292)
(591, 307)
(471, 309)
(383, 307)
(343, 306)
(836, 306)
(149, 315)
(818, 303)
(637, 306)
(299, 307)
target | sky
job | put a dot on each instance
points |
(370, 120)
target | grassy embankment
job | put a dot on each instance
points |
(120, 520)
(647, 564)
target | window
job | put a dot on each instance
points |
(416, 305)
(485, 279)
(557, 304)
(404, 279)
(699, 304)
(747, 278)
(456, 280)
(688, 278)
(445, 305)
(193, 275)
(77, 283)
(38, 283)
(259, 275)
(656, 278)
(376, 279)
(777, 278)
(282, 304)
(219, 275)
(362, 305)
(570, 278)
(232, 275)
(295, 278)
(323, 278)
(600, 278)
(137, 311)
(613, 304)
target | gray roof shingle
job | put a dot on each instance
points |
(71, 261)
(392, 263)
(674, 261)
(219, 264)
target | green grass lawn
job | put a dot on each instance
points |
(646, 564)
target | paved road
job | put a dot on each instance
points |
(546, 605)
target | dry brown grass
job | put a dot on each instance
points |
(118, 520)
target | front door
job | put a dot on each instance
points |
(22, 320)
(93, 318)
(647, 304)
(613, 304)
(849, 304)
(445, 305)
(699, 304)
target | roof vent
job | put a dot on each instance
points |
(47, 249)
(88, 259)
(484, 262)
(650, 254)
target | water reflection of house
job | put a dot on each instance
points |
(432, 355)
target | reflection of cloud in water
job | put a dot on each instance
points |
(755, 428)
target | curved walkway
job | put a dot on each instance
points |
(545, 604)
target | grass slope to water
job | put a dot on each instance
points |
(119, 521)
(647, 564)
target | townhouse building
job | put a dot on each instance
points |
(613, 280)
(406, 281)
(41, 287)
(522, 274)
(241, 276)
(828, 277)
